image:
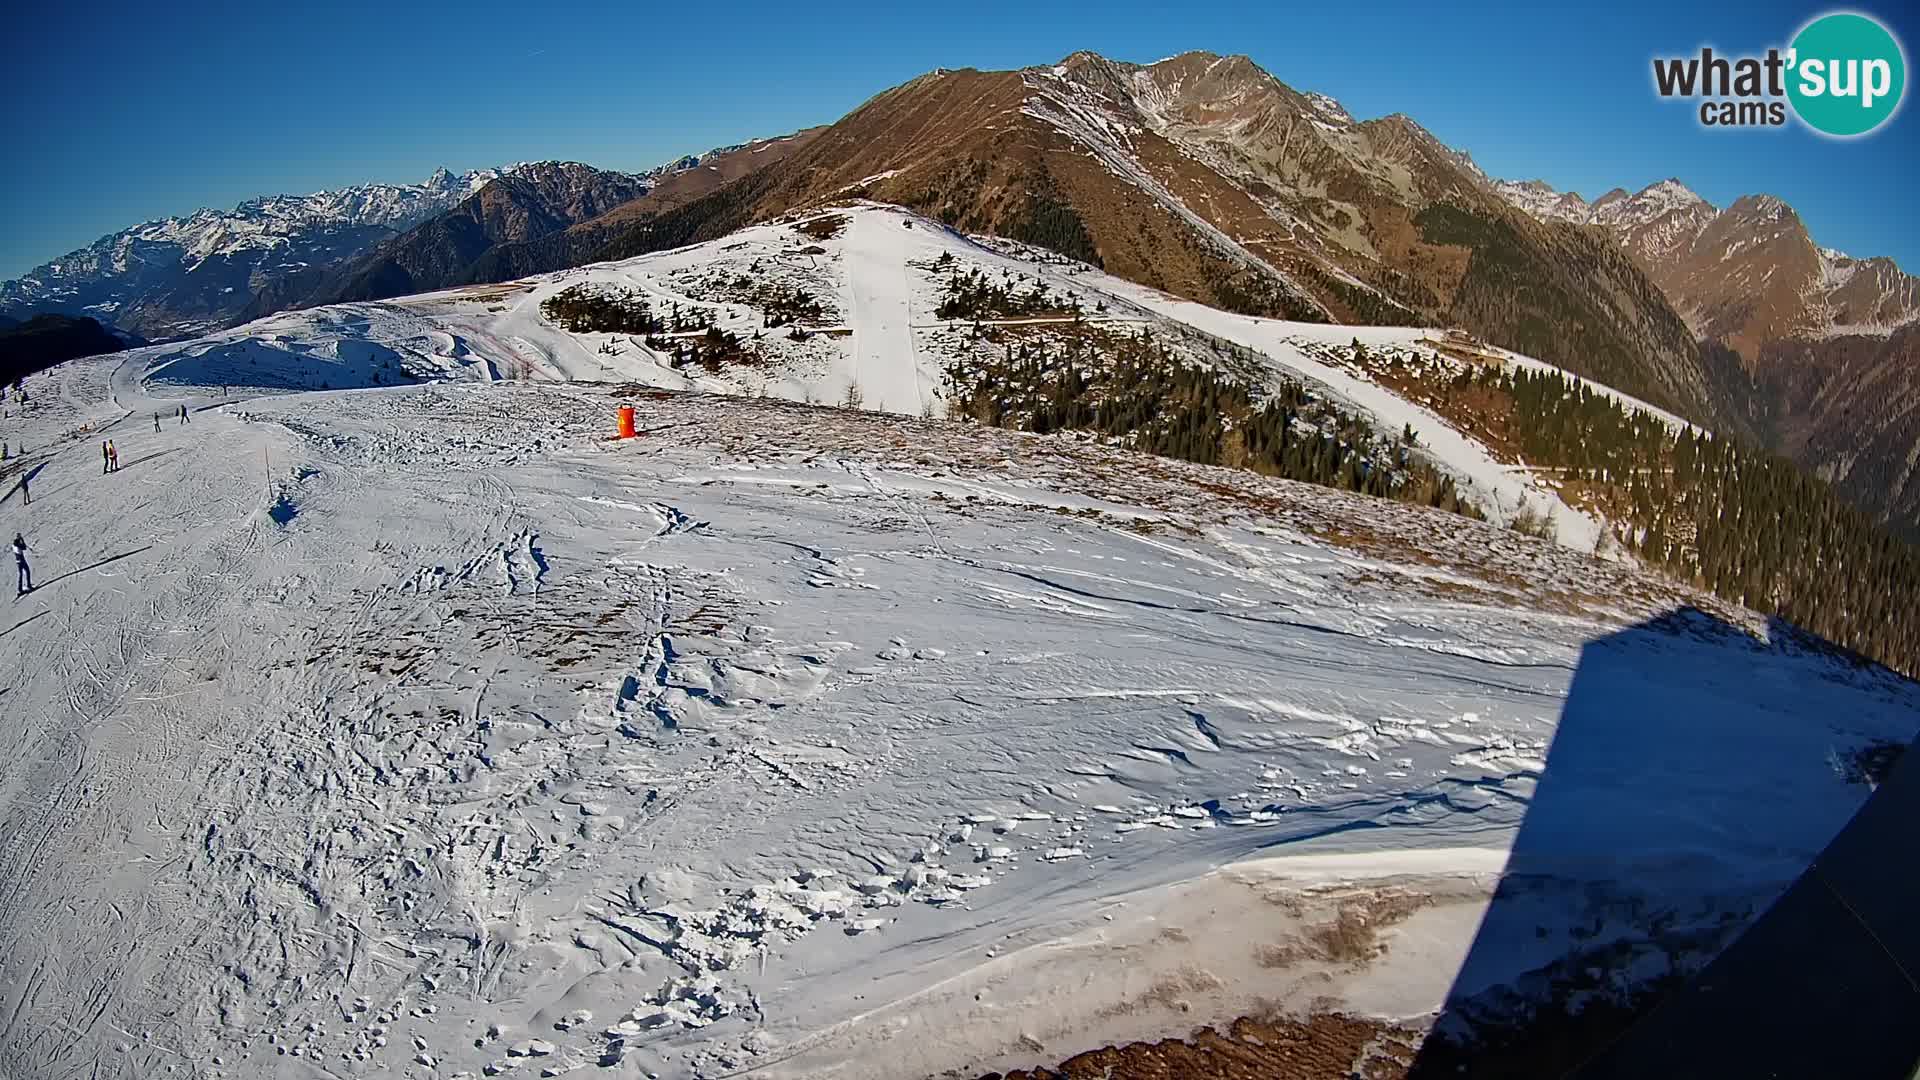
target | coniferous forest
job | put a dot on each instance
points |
(1133, 387)
(1746, 525)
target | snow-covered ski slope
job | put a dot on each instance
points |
(879, 281)
(424, 732)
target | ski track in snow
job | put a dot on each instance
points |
(885, 365)
(423, 731)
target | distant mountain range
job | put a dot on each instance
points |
(1745, 275)
(1816, 353)
(177, 277)
(185, 275)
(535, 217)
(1201, 175)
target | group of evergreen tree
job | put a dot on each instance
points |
(686, 334)
(825, 227)
(782, 304)
(1363, 305)
(713, 350)
(46, 340)
(599, 309)
(977, 295)
(1247, 291)
(1050, 222)
(591, 309)
(1133, 387)
(1743, 524)
(1569, 297)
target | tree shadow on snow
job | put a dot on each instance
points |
(1695, 774)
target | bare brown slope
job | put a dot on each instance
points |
(959, 146)
(708, 174)
(1208, 178)
(1748, 277)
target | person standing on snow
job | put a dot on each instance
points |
(113, 457)
(25, 584)
(156, 423)
(106, 457)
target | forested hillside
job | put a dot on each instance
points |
(1742, 523)
(45, 340)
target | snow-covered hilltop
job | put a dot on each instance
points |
(847, 305)
(425, 731)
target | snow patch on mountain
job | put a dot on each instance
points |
(1539, 199)
(1650, 204)
(1616, 210)
(1329, 108)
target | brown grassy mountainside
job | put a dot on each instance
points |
(1207, 177)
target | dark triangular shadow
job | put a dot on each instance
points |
(1664, 820)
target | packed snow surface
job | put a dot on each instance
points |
(425, 731)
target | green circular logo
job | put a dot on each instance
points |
(1847, 74)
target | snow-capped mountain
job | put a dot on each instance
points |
(525, 202)
(1538, 198)
(1746, 275)
(183, 275)
(1654, 224)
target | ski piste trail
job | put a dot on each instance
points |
(423, 731)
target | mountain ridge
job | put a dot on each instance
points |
(186, 274)
(1819, 350)
(526, 202)
(179, 275)
(1210, 178)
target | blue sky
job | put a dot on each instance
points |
(119, 112)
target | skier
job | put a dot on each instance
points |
(156, 423)
(113, 457)
(106, 456)
(183, 415)
(25, 584)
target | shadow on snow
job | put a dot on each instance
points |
(1693, 775)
